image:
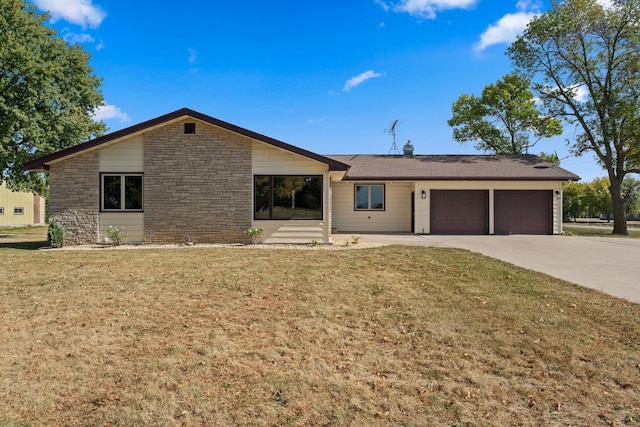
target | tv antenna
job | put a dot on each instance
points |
(392, 131)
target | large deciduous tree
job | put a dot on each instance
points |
(584, 60)
(48, 93)
(503, 120)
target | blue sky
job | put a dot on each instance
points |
(328, 76)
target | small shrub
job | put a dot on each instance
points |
(314, 242)
(116, 235)
(355, 239)
(55, 235)
(188, 241)
(255, 234)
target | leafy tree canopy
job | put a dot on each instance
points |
(593, 199)
(503, 120)
(48, 93)
(584, 59)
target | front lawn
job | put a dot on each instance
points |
(23, 237)
(250, 336)
(597, 232)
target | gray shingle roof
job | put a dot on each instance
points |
(526, 167)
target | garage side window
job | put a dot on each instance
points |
(121, 192)
(287, 197)
(369, 197)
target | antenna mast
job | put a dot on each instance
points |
(392, 131)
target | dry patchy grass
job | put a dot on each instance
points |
(394, 335)
(23, 237)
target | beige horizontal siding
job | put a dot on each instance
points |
(396, 218)
(133, 223)
(125, 156)
(494, 185)
(268, 160)
(557, 214)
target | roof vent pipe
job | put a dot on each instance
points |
(408, 148)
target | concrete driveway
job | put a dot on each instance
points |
(608, 264)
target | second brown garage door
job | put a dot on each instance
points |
(459, 212)
(523, 212)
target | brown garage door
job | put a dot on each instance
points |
(523, 212)
(459, 212)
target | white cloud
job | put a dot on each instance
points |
(382, 4)
(109, 112)
(506, 30)
(510, 26)
(525, 5)
(80, 12)
(78, 38)
(581, 93)
(427, 9)
(359, 79)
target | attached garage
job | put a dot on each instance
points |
(523, 211)
(454, 194)
(459, 212)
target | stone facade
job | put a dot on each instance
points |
(197, 185)
(74, 197)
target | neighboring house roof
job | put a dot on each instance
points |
(43, 162)
(526, 167)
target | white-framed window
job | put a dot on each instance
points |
(18, 211)
(121, 191)
(1, 211)
(369, 197)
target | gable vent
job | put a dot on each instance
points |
(189, 128)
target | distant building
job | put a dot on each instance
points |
(21, 208)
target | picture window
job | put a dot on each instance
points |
(288, 197)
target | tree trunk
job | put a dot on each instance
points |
(619, 207)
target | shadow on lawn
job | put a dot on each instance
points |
(18, 242)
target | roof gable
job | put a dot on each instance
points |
(43, 162)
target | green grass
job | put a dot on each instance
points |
(598, 232)
(254, 336)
